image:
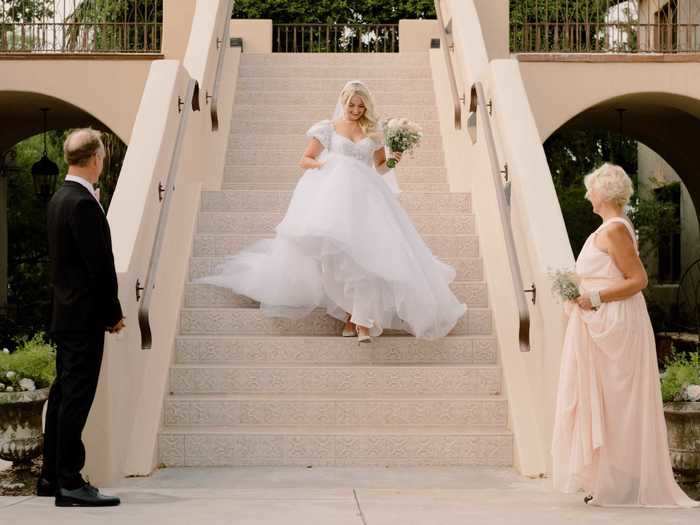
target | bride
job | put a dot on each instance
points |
(345, 243)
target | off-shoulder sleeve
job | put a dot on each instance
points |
(321, 131)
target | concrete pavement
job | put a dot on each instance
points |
(337, 496)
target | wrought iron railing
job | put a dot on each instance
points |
(335, 38)
(81, 26)
(605, 26)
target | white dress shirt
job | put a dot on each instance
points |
(85, 184)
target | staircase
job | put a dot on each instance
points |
(247, 390)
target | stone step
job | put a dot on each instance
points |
(468, 268)
(348, 71)
(421, 59)
(264, 222)
(298, 141)
(277, 157)
(251, 321)
(464, 350)
(288, 186)
(291, 174)
(329, 97)
(313, 85)
(300, 124)
(270, 201)
(336, 411)
(313, 112)
(473, 294)
(442, 246)
(225, 446)
(406, 380)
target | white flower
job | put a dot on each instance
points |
(9, 389)
(5, 350)
(692, 393)
(10, 374)
(27, 384)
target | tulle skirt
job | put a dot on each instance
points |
(347, 245)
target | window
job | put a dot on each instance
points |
(667, 27)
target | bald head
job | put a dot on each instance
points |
(81, 146)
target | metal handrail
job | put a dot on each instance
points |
(503, 211)
(222, 44)
(479, 107)
(447, 45)
(165, 193)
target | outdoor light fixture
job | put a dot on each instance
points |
(44, 171)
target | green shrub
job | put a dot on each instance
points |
(681, 370)
(33, 359)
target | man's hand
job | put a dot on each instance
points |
(117, 327)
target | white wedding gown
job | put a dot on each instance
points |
(346, 245)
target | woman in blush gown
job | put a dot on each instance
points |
(345, 243)
(609, 432)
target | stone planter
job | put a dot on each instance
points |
(21, 437)
(683, 423)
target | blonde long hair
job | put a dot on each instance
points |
(369, 120)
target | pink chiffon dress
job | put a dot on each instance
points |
(609, 430)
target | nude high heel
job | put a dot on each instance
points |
(362, 338)
(349, 332)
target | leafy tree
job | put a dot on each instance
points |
(16, 12)
(22, 11)
(29, 293)
(341, 12)
(571, 155)
(541, 25)
(334, 11)
(116, 25)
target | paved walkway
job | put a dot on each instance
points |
(335, 496)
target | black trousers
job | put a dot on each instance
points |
(78, 361)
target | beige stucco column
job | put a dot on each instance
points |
(177, 23)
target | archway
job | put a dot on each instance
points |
(24, 291)
(21, 118)
(660, 130)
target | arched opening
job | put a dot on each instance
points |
(24, 281)
(652, 135)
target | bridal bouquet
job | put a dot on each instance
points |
(565, 284)
(401, 135)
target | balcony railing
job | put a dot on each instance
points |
(81, 26)
(605, 26)
(335, 38)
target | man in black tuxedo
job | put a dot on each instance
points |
(85, 305)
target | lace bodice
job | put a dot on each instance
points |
(362, 150)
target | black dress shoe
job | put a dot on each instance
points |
(44, 488)
(85, 496)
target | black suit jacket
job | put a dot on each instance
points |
(82, 264)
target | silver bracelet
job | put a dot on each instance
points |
(595, 300)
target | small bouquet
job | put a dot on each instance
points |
(565, 284)
(401, 135)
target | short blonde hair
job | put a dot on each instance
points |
(81, 145)
(612, 184)
(368, 121)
